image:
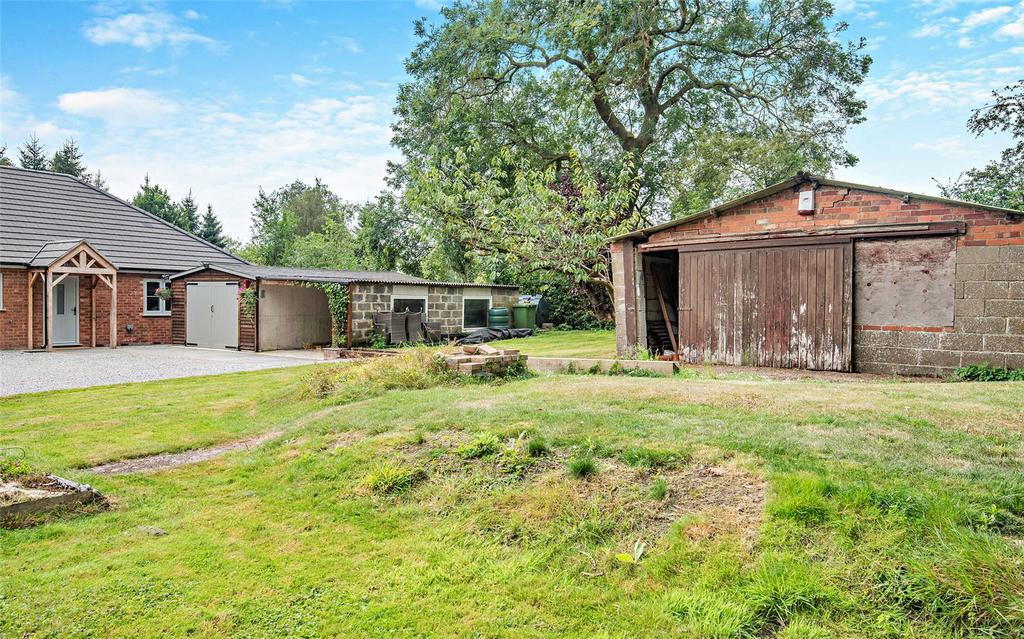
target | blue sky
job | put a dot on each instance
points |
(226, 97)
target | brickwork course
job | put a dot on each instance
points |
(969, 309)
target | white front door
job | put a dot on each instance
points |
(65, 312)
(211, 314)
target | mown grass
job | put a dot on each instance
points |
(587, 344)
(891, 511)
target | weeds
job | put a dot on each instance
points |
(582, 466)
(483, 446)
(988, 373)
(659, 489)
(537, 447)
(387, 477)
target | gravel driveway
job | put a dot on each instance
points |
(22, 372)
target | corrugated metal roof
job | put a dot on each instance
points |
(287, 273)
(801, 178)
(38, 208)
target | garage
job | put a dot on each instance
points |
(212, 314)
(821, 274)
(775, 305)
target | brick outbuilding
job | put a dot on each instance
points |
(828, 275)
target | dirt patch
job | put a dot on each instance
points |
(348, 438)
(726, 499)
(171, 460)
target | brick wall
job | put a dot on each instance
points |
(988, 317)
(988, 321)
(841, 206)
(145, 329)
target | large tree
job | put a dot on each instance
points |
(210, 229)
(289, 213)
(1001, 181)
(68, 159)
(154, 198)
(4, 160)
(187, 214)
(32, 155)
(623, 99)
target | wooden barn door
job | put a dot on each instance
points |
(764, 304)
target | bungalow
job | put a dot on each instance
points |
(80, 267)
(823, 274)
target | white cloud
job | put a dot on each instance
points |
(964, 42)
(1014, 29)
(948, 146)
(300, 80)
(192, 14)
(349, 44)
(927, 31)
(120, 107)
(985, 16)
(430, 5)
(903, 96)
(233, 146)
(144, 30)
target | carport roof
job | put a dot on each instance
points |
(287, 273)
(40, 209)
(803, 178)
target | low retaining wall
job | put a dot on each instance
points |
(559, 364)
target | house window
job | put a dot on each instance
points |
(475, 304)
(152, 302)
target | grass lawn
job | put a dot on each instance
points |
(589, 344)
(793, 509)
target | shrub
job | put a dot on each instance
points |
(388, 477)
(988, 373)
(412, 369)
(582, 466)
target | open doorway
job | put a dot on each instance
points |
(661, 300)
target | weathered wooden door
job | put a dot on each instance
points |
(764, 303)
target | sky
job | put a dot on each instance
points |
(226, 97)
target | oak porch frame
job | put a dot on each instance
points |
(82, 260)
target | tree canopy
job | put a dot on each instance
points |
(32, 155)
(1001, 181)
(68, 159)
(511, 101)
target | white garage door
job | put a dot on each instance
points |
(211, 314)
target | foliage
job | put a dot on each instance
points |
(330, 248)
(187, 214)
(535, 130)
(989, 373)
(1001, 181)
(210, 229)
(13, 466)
(292, 212)
(155, 199)
(387, 238)
(4, 160)
(572, 305)
(337, 303)
(32, 154)
(634, 557)
(68, 159)
(413, 368)
(248, 296)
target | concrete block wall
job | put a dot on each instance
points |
(367, 299)
(988, 321)
(444, 306)
(504, 297)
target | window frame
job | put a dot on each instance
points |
(165, 305)
(405, 292)
(478, 295)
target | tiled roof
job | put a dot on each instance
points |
(39, 208)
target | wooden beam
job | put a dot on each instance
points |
(60, 279)
(31, 279)
(48, 336)
(79, 270)
(664, 312)
(113, 312)
(92, 309)
(106, 280)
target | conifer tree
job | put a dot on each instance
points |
(68, 159)
(32, 155)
